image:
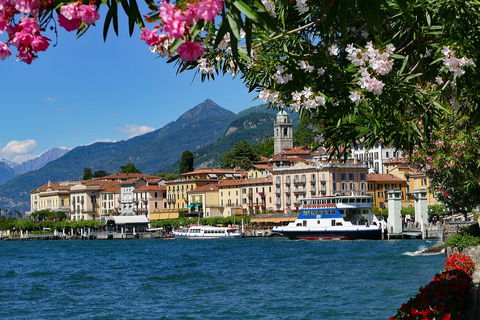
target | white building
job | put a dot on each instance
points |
(375, 157)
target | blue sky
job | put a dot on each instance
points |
(86, 90)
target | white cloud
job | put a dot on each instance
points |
(19, 151)
(98, 140)
(133, 130)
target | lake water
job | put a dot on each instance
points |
(252, 278)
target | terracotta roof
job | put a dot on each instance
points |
(115, 189)
(263, 166)
(148, 188)
(258, 180)
(53, 185)
(230, 182)
(297, 150)
(383, 177)
(102, 185)
(205, 188)
(130, 181)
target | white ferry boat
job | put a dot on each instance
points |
(339, 217)
(207, 232)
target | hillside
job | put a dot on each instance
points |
(252, 127)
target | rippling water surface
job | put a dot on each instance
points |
(211, 279)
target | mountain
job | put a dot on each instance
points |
(6, 172)
(9, 169)
(40, 161)
(196, 128)
(251, 126)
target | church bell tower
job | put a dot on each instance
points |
(283, 132)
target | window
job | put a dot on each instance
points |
(344, 186)
(386, 154)
(380, 186)
(334, 186)
(343, 176)
(351, 176)
(156, 205)
(380, 194)
(362, 176)
(352, 186)
(156, 195)
(376, 155)
(333, 176)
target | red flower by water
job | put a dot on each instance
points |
(444, 297)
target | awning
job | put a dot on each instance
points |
(190, 205)
(168, 215)
(274, 219)
(154, 216)
(198, 205)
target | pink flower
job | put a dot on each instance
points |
(4, 51)
(40, 43)
(88, 14)
(151, 38)
(190, 51)
(68, 24)
(208, 9)
(69, 11)
(25, 56)
(175, 28)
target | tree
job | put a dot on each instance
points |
(186, 162)
(450, 158)
(168, 176)
(265, 148)
(87, 173)
(242, 155)
(305, 134)
(100, 173)
(129, 168)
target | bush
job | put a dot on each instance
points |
(462, 240)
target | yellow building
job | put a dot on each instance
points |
(177, 190)
(379, 184)
(53, 196)
(415, 180)
(203, 201)
(230, 196)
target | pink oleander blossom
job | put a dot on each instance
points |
(25, 56)
(88, 14)
(40, 43)
(69, 11)
(175, 28)
(4, 51)
(151, 38)
(67, 24)
(190, 51)
(208, 9)
(72, 15)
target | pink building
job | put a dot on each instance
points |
(292, 183)
(149, 199)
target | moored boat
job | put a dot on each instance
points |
(207, 232)
(337, 217)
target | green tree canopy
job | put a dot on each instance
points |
(186, 162)
(265, 148)
(100, 173)
(87, 173)
(242, 155)
(305, 134)
(129, 168)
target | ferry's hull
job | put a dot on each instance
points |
(374, 234)
(201, 237)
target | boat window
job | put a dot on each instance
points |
(318, 221)
(304, 223)
(351, 200)
(339, 224)
(344, 200)
(333, 223)
(364, 200)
